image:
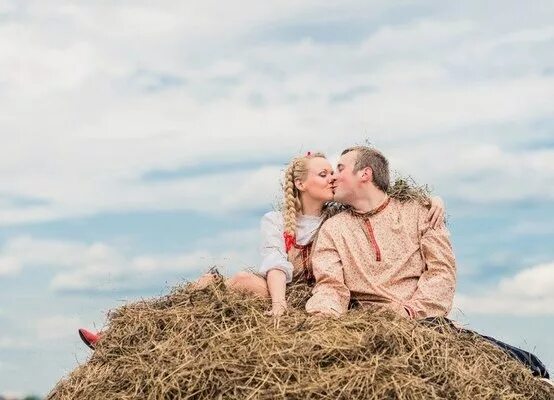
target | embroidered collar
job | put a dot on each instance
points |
(372, 212)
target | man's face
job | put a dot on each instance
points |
(346, 181)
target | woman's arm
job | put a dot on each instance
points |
(276, 284)
(275, 266)
(436, 212)
(272, 247)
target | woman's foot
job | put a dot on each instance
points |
(89, 338)
(207, 279)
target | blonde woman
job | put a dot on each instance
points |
(287, 235)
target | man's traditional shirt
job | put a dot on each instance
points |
(389, 257)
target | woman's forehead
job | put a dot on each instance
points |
(319, 163)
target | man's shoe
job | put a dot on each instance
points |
(89, 338)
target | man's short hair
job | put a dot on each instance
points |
(373, 159)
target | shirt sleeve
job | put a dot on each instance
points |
(330, 295)
(272, 247)
(435, 289)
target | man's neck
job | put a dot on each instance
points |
(369, 200)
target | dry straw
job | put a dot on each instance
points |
(216, 344)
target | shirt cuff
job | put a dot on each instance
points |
(268, 266)
(326, 308)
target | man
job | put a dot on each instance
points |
(381, 251)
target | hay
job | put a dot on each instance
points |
(216, 344)
(406, 189)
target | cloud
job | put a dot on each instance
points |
(106, 113)
(9, 266)
(13, 343)
(102, 267)
(56, 327)
(529, 292)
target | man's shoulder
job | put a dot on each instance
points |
(411, 207)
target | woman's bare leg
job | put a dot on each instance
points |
(241, 281)
(205, 280)
(248, 282)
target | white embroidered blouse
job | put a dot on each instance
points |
(272, 248)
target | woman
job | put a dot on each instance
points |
(287, 235)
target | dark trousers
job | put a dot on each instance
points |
(528, 359)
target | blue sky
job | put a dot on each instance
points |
(141, 143)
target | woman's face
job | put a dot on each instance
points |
(320, 182)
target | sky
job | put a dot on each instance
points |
(141, 142)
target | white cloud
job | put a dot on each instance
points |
(529, 292)
(13, 343)
(9, 266)
(479, 172)
(56, 327)
(96, 131)
(104, 267)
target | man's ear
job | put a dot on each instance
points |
(299, 185)
(367, 174)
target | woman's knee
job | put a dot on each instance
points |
(246, 281)
(240, 279)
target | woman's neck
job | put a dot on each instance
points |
(311, 207)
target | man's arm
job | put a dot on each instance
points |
(330, 295)
(435, 289)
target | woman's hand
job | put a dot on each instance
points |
(436, 213)
(277, 309)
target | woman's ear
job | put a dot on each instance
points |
(299, 185)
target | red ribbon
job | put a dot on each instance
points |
(290, 241)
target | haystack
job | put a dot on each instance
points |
(217, 344)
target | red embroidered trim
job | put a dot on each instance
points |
(381, 207)
(373, 240)
(305, 252)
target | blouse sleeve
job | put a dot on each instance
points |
(272, 248)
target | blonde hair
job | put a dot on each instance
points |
(297, 169)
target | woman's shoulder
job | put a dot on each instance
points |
(273, 218)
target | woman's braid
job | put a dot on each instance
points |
(297, 169)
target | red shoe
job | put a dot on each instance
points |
(89, 338)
